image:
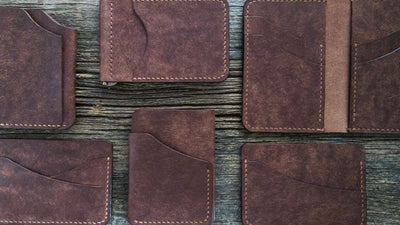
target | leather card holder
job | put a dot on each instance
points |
(164, 41)
(375, 77)
(303, 184)
(284, 66)
(37, 71)
(55, 182)
(172, 167)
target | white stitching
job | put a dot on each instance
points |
(29, 125)
(73, 222)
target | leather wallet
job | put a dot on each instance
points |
(55, 182)
(37, 71)
(172, 167)
(164, 41)
(301, 57)
(303, 184)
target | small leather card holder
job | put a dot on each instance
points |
(284, 66)
(55, 182)
(375, 77)
(172, 167)
(164, 41)
(37, 71)
(310, 184)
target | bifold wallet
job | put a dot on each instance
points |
(37, 71)
(172, 167)
(301, 57)
(55, 182)
(164, 40)
(310, 184)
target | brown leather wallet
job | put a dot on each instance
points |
(37, 71)
(55, 182)
(164, 41)
(172, 167)
(310, 184)
(301, 57)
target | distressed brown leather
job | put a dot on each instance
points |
(375, 84)
(303, 184)
(284, 57)
(37, 71)
(172, 167)
(55, 182)
(164, 41)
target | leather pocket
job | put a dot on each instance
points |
(284, 66)
(303, 184)
(172, 167)
(72, 188)
(375, 83)
(167, 185)
(164, 41)
(38, 71)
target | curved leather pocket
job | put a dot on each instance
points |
(167, 185)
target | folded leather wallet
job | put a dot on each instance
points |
(164, 41)
(301, 57)
(310, 184)
(37, 71)
(55, 182)
(172, 167)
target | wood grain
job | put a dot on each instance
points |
(104, 113)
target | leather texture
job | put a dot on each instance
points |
(172, 167)
(55, 182)
(37, 71)
(303, 184)
(284, 66)
(375, 84)
(164, 41)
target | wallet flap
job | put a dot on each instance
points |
(303, 184)
(164, 41)
(284, 70)
(167, 186)
(31, 76)
(55, 182)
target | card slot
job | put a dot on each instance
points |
(46, 21)
(38, 27)
(298, 180)
(15, 166)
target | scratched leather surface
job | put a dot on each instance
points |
(284, 57)
(37, 71)
(164, 41)
(54, 182)
(303, 184)
(375, 102)
(172, 167)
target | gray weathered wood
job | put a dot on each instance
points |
(104, 113)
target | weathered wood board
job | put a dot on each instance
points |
(104, 113)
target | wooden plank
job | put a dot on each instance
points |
(104, 113)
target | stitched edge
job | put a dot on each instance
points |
(225, 31)
(247, 78)
(74, 222)
(29, 125)
(245, 194)
(354, 100)
(362, 186)
(188, 221)
(110, 42)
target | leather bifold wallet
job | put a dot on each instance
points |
(322, 66)
(172, 167)
(37, 71)
(55, 182)
(164, 41)
(309, 184)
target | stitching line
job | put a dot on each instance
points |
(362, 192)
(183, 222)
(111, 56)
(30, 125)
(247, 77)
(225, 32)
(245, 194)
(74, 222)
